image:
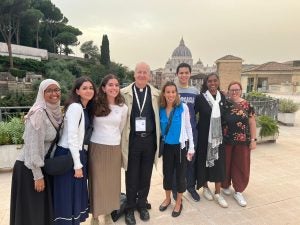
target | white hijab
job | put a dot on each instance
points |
(53, 110)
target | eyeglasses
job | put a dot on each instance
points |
(235, 90)
(51, 91)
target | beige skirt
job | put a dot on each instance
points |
(104, 178)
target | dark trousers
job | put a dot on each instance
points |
(139, 170)
(237, 167)
(174, 161)
(190, 176)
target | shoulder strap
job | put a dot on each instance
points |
(169, 122)
(56, 139)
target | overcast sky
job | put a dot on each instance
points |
(258, 31)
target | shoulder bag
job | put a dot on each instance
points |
(162, 137)
(60, 164)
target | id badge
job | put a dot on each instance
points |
(140, 124)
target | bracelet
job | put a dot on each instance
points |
(253, 139)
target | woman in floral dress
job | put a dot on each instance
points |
(240, 139)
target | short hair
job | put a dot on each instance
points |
(233, 83)
(183, 65)
(163, 102)
(204, 87)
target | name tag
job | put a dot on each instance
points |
(140, 124)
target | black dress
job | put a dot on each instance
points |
(203, 173)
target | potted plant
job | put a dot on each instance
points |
(11, 133)
(287, 109)
(267, 129)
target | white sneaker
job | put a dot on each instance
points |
(220, 200)
(227, 191)
(207, 194)
(240, 199)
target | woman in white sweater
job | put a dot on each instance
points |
(105, 150)
(70, 194)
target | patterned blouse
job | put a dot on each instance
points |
(237, 129)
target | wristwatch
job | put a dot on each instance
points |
(253, 139)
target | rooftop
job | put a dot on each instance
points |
(272, 194)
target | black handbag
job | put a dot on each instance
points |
(60, 164)
(162, 137)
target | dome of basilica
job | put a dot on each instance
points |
(182, 50)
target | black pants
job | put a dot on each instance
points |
(174, 161)
(139, 170)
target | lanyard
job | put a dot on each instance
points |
(138, 101)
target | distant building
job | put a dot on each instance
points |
(229, 69)
(181, 54)
(24, 52)
(273, 77)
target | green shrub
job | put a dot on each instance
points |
(269, 126)
(287, 106)
(254, 95)
(12, 132)
(18, 73)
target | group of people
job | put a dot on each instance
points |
(208, 137)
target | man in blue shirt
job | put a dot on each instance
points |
(188, 95)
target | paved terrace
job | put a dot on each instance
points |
(273, 192)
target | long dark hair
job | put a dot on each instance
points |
(102, 105)
(75, 98)
(163, 102)
(204, 87)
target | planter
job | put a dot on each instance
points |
(287, 119)
(264, 139)
(8, 155)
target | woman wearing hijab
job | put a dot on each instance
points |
(210, 150)
(31, 201)
(70, 193)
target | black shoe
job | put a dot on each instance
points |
(129, 217)
(164, 207)
(195, 195)
(144, 214)
(175, 214)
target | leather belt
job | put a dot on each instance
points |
(143, 135)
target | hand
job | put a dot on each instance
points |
(39, 185)
(189, 156)
(78, 173)
(252, 145)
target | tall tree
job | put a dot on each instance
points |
(10, 12)
(90, 50)
(105, 57)
(51, 20)
(31, 24)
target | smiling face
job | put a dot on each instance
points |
(142, 75)
(234, 92)
(52, 94)
(184, 75)
(170, 94)
(86, 92)
(213, 84)
(112, 88)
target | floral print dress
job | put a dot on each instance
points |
(237, 129)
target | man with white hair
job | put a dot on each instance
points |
(140, 140)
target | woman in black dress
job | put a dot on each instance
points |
(210, 151)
